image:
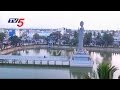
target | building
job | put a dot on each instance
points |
(11, 32)
(41, 32)
(62, 30)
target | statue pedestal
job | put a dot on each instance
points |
(81, 59)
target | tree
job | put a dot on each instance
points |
(98, 39)
(14, 40)
(108, 39)
(66, 40)
(87, 38)
(106, 71)
(74, 41)
(55, 36)
(2, 35)
(36, 36)
(94, 34)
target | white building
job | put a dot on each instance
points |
(116, 38)
(43, 32)
(62, 30)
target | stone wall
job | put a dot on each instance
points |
(7, 51)
(102, 49)
(10, 50)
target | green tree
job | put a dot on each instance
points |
(14, 40)
(74, 41)
(2, 35)
(94, 34)
(108, 39)
(36, 36)
(87, 38)
(55, 36)
(113, 32)
(106, 71)
(99, 40)
(66, 40)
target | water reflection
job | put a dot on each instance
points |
(36, 50)
(89, 52)
(16, 53)
(96, 57)
(78, 73)
(59, 52)
(41, 72)
(27, 51)
(99, 57)
(33, 72)
(106, 54)
(108, 57)
(54, 52)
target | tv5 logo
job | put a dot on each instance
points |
(20, 21)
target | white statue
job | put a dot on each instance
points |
(80, 37)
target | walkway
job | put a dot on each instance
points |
(35, 60)
(49, 58)
(9, 50)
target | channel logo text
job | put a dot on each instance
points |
(19, 21)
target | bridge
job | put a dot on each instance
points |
(47, 60)
(34, 60)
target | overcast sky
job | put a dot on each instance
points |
(68, 19)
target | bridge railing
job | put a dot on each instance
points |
(36, 62)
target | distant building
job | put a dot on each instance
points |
(11, 32)
(40, 32)
(62, 30)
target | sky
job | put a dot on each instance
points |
(93, 20)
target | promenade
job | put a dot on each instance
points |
(93, 49)
(10, 50)
(34, 60)
(103, 49)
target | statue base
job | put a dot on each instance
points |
(81, 59)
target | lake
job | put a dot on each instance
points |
(55, 72)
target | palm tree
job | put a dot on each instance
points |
(106, 71)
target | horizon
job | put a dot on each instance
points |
(60, 28)
(93, 20)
